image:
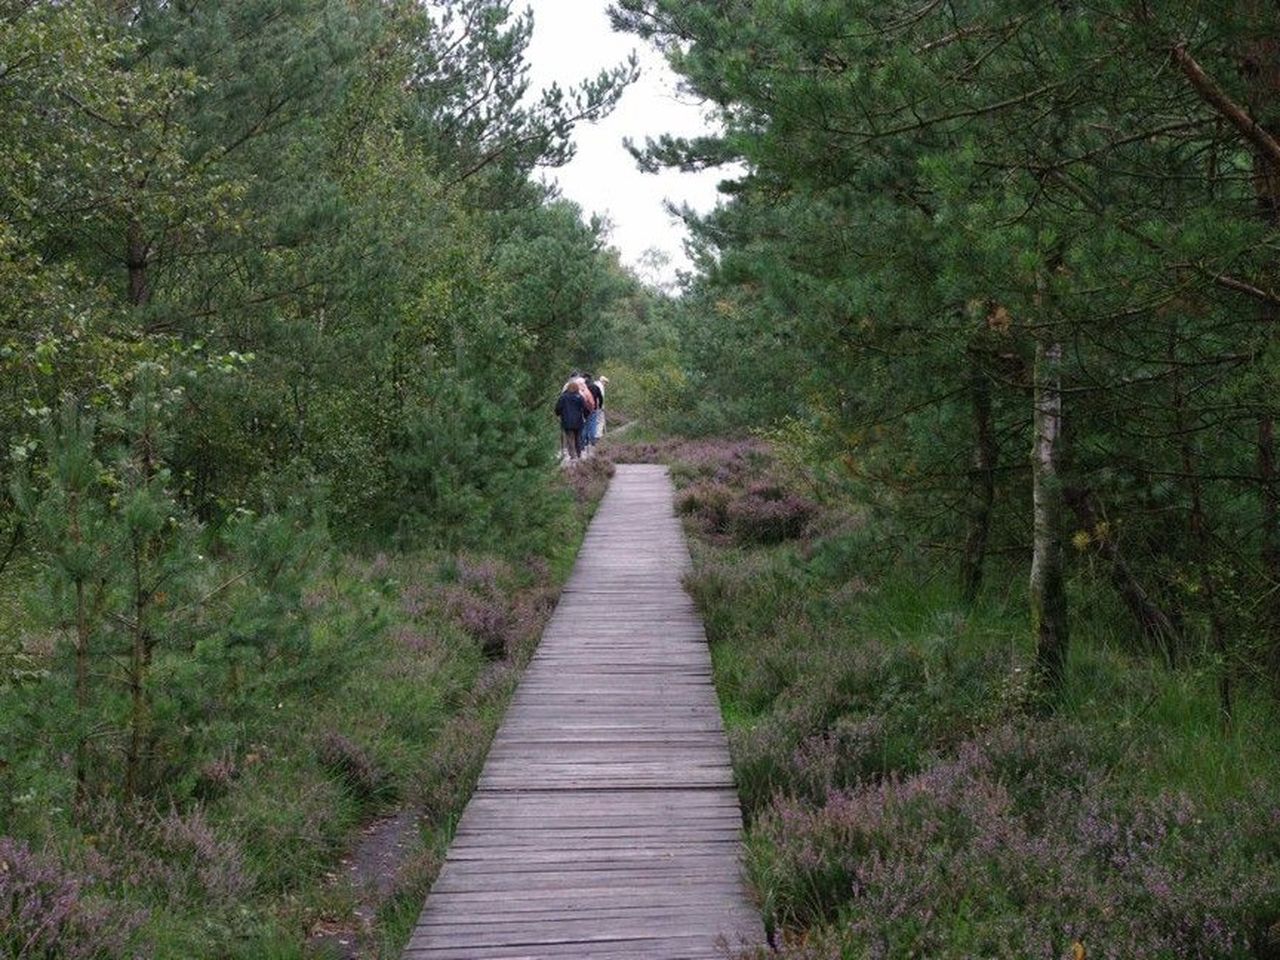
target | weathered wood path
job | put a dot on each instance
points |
(605, 823)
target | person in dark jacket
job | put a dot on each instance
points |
(572, 411)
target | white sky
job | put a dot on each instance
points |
(572, 40)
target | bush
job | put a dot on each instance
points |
(589, 478)
(766, 514)
(708, 502)
(475, 469)
(485, 618)
(953, 862)
(354, 768)
(45, 912)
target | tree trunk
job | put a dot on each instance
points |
(82, 689)
(1048, 581)
(76, 536)
(982, 480)
(1208, 579)
(139, 659)
(137, 258)
(1261, 68)
(1156, 625)
(1269, 488)
(1198, 522)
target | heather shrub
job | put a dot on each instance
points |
(200, 863)
(481, 574)
(957, 860)
(724, 461)
(215, 777)
(48, 913)
(455, 762)
(760, 752)
(844, 755)
(743, 596)
(707, 502)
(903, 798)
(353, 767)
(483, 617)
(589, 477)
(811, 741)
(491, 603)
(639, 451)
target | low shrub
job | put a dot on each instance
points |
(589, 477)
(486, 618)
(45, 911)
(354, 768)
(708, 503)
(953, 862)
(766, 514)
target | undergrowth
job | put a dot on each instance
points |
(410, 660)
(905, 792)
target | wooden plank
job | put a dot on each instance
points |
(605, 823)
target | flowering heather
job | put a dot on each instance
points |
(210, 867)
(538, 568)
(641, 452)
(721, 460)
(969, 858)
(46, 912)
(724, 461)
(486, 618)
(766, 514)
(414, 639)
(215, 777)
(456, 759)
(482, 575)
(353, 766)
(589, 478)
(415, 600)
(840, 757)
(178, 856)
(708, 502)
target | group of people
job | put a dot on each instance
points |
(580, 408)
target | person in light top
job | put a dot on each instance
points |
(595, 418)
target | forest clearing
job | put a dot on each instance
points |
(921, 599)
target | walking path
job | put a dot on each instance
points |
(605, 823)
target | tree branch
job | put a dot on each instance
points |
(1216, 97)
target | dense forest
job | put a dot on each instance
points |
(971, 396)
(968, 226)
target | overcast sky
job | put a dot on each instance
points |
(572, 40)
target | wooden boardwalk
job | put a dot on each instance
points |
(605, 823)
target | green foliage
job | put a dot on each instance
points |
(925, 196)
(474, 470)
